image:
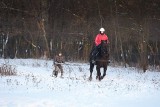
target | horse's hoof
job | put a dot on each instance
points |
(102, 77)
(96, 77)
(90, 78)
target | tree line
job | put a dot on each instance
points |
(42, 28)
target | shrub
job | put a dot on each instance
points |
(7, 70)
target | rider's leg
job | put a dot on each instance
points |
(108, 60)
(93, 56)
(95, 53)
(56, 70)
(61, 70)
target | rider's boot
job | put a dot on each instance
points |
(93, 59)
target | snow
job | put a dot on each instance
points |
(33, 86)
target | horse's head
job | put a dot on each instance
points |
(104, 48)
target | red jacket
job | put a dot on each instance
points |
(100, 37)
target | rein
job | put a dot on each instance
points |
(101, 60)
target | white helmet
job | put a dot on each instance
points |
(102, 29)
(60, 54)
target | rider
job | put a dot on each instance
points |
(99, 37)
(58, 60)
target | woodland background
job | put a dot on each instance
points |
(42, 28)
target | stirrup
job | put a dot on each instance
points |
(93, 61)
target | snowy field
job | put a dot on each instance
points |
(33, 86)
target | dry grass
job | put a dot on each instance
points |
(7, 70)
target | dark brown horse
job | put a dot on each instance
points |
(101, 61)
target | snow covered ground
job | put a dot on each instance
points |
(33, 86)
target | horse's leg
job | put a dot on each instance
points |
(98, 73)
(104, 72)
(91, 70)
